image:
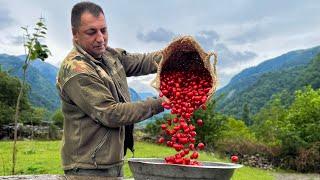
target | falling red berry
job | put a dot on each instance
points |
(187, 91)
(200, 122)
(234, 159)
(201, 146)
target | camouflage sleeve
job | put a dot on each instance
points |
(139, 64)
(95, 99)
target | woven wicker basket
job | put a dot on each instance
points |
(189, 48)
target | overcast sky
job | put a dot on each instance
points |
(242, 32)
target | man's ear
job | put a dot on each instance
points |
(75, 34)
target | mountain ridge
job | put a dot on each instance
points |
(259, 83)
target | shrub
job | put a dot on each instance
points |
(308, 160)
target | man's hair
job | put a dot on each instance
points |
(82, 7)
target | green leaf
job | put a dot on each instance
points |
(38, 35)
(33, 55)
(40, 24)
(24, 67)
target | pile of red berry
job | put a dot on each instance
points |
(187, 90)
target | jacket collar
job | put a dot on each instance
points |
(87, 55)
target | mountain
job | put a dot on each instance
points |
(256, 85)
(45, 69)
(134, 95)
(41, 78)
(145, 95)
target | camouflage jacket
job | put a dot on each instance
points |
(96, 105)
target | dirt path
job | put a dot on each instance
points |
(296, 176)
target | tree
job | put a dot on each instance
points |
(301, 143)
(57, 118)
(9, 91)
(236, 129)
(304, 114)
(270, 123)
(34, 49)
(245, 115)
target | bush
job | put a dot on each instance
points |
(243, 147)
(54, 132)
(58, 118)
(250, 152)
(236, 129)
(308, 160)
(294, 129)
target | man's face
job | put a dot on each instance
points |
(92, 34)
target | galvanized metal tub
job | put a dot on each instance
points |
(157, 169)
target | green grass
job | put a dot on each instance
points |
(43, 157)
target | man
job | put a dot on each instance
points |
(95, 97)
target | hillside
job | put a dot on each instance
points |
(255, 86)
(41, 78)
(250, 75)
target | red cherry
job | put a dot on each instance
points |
(234, 159)
(161, 140)
(192, 128)
(200, 122)
(169, 122)
(178, 156)
(165, 92)
(181, 120)
(169, 143)
(179, 161)
(193, 133)
(176, 128)
(177, 147)
(201, 146)
(191, 146)
(173, 139)
(183, 125)
(192, 140)
(194, 155)
(186, 161)
(182, 153)
(186, 150)
(183, 140)
(163, 126)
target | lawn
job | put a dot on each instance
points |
(43, 157)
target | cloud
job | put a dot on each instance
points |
(142, 83)
(207, 39)
(254, 31)
(15, 40)
(158, 35)
(229, 57)
(210, 41)
(5, 19)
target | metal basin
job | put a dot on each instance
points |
(157, 169)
